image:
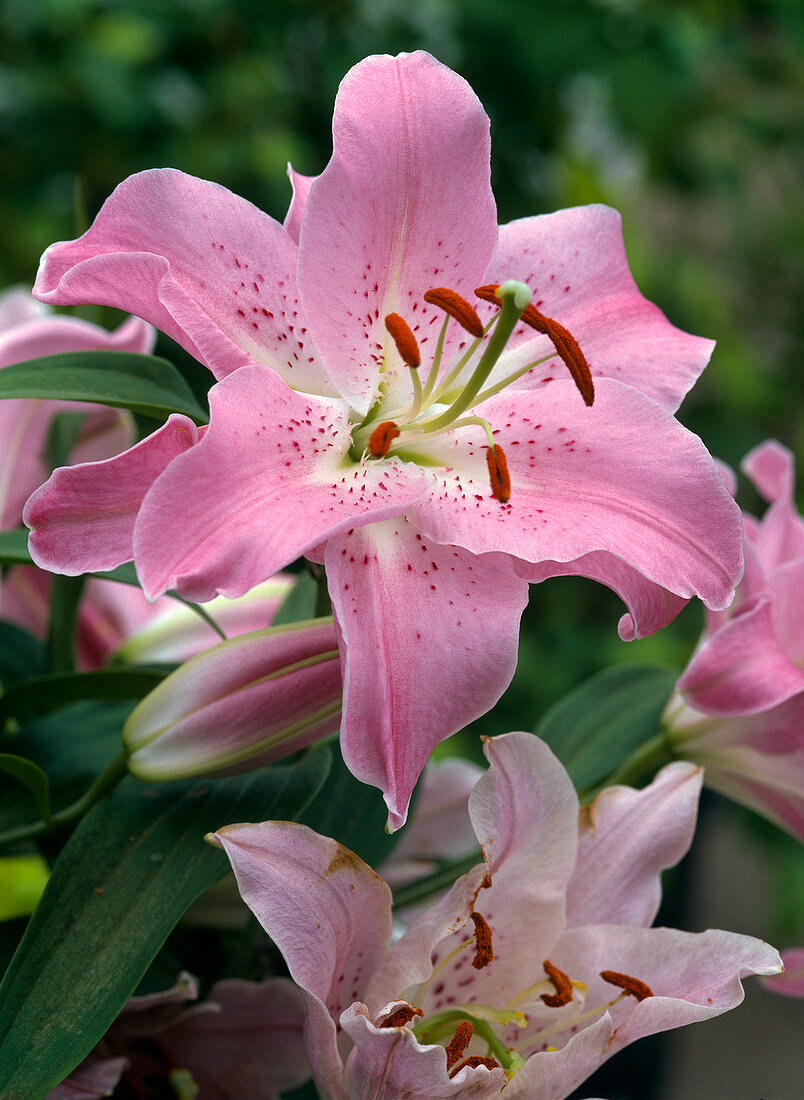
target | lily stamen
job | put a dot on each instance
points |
(401, 1016)
(381, 438)
(484, 951)
(498, 473)
(475, 1060)
(561, 984)
(632, 987)
(459, 1042)
(456, 306)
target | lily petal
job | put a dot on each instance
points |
(82, 519)
(404, 205)
(575, 264)
(430, 639)
(327, 912)
(626, 839)
(203, 265)
(622, 476)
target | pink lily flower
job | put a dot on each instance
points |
(739, 707)
(245, 1039)
(29, 330)
(536, 967)
(435, 459)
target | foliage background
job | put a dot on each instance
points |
(686, 116)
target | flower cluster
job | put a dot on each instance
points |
(435, 412)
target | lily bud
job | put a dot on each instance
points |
(243, 703)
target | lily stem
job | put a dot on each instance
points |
(105, 782)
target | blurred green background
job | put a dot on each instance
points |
(686, 116)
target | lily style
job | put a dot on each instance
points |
(437, 410)
(537, 966)
(739, 706)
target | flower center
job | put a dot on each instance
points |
(492, 1032)
(442, 401)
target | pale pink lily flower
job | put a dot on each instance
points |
(29, 330)
(560, 909)
(791, 982)
(245, 1039)
(739, 706)
(313, 329)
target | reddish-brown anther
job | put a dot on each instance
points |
(568, 349)
(489, 294)
(498, 473)
(475, 1060)
(404, 339)
(456, 306)
(563, 341)
(561, 984)
(381, 439)
(484, 952)
(401, 1016)
(459, 1042)
(633, 986)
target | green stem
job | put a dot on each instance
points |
(651, 755)
(105, 782)
(440, 879)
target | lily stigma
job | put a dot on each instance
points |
(440, 402)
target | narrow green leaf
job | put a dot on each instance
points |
(32, 777)
(141, 383)
(14, 545)
(126, 876)
(44, 694)
(595, 728)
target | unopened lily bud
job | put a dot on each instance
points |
(246, 702)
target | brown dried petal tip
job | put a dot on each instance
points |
(498, 473)
(459, 1042)
(561, 984)
(630, 985)
(401, 1016)
(457, 307)
(404, 339)
(568, 349)
(484, 952)
(381, 439)
(473, 1061)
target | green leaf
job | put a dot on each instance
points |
(595, 728)
(72, 747)
(14, 545)
(141, 383)
(44, 694)
(299, 604)
(21, 655)
(126, 876)
(32, 777)
(65, 595)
